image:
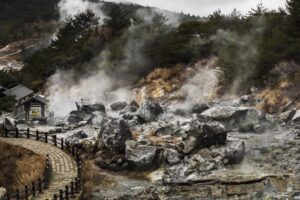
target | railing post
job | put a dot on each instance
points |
(28, 133)
(61, 195)
(26, 192)
(72, 189)
(54, 140)
(37, 135)
(17, 194)
(8, 196)
(33, 189)
(67, 192)
(55, 197)
(17, 132)
(73, 150)
(40, 185)
(5, 132)
(46, 137)
(62, 143)
(76, 185)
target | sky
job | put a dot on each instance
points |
(205, 7)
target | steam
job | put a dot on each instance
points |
(69, 8)
(108, 80)
(64, 91)
(201, 87)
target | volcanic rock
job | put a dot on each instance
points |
(235, 152)
(149, 111)
(296, 117)
(9, 123)
(141, 156)
(114, 134)
(199, 108)
(233, 117)
(92, 108)
(118, 105)
(202, 135)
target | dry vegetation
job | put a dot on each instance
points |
(19, 166)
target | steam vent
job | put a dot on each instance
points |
(149, 100)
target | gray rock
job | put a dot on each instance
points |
(233, 117)
(9, 123)
(296, 117)
(92, 108)
(285, 116)
(187, 145)
(199, 108)
(78, 116)
(206, 134)
(149, 111)
(141, 156)
(235, 152)
(172, 156)
(246, 127)
(118, 105)
(114, 134)
(260, 128)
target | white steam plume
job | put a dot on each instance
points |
(201, 87)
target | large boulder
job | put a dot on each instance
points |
(78, 116)
(141, 156)
(235, 152)
(9, 123)
(233, 117)
(199, 108)
(149, 111)
(114, 134)
(118, 105)
(285, 116)
(202, 134)
(92, 108)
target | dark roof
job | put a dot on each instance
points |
(2, 89)
(19, 92)
(40, 98)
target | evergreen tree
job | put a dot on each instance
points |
(293, 8)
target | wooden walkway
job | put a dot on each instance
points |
(64, 168)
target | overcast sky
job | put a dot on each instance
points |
(205, 7)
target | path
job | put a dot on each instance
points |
(64, 168)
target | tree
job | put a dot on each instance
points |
(74, 30)
(293, 8)
(117, 19)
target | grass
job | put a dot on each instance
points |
(19, 166)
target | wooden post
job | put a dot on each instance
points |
(33, 189)
(28, 133)
(55, 197)
(17, 132)
(17, 194)
(76, 185)
(40, 185)
(46, 137)
(72, 189)
(61, 195)
(37, 135)
(26, 192)
(62, 143)
(5, 132)
(67, 192)
(54, 140)
(73, 150)
(8, 196)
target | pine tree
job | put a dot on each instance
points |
(293, 8)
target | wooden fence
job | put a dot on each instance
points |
(24, 193)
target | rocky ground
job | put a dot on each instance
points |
(221, 149)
